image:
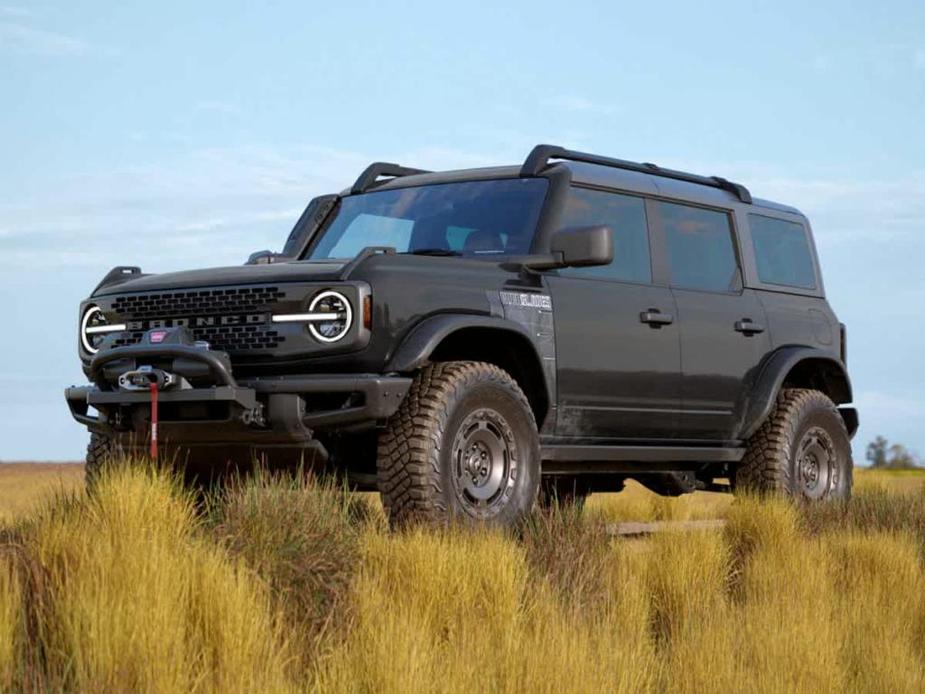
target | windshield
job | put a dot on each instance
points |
(473, 218)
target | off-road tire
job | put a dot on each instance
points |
(101, 451)
(802, 450)
(419, 457)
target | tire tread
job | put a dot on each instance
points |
(408, 459)
(766, 466)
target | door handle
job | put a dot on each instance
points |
(747, 326)
(656, 318)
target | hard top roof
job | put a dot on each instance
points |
(660, 182)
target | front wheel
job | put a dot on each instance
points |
(101, 451)
(802, 450)
(462, 446)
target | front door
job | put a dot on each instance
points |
(617, 340)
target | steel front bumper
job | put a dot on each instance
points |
(275, 410)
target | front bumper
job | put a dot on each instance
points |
(219, 409)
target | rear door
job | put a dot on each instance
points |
(617, 343)
(723, 328)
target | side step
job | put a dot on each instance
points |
(634, 458)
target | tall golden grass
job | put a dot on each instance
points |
(283, 585)
(120, 592)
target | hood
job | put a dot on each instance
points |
(299, 271)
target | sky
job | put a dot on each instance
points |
(175, 135)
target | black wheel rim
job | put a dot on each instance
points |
(484, 463)
(816, 464)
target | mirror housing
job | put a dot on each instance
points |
(576, 247)
(266, 258)
(583, 246)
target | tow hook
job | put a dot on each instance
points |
(254, 418)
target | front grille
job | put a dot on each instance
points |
(143, 312)
(229, 338)
(196, 302)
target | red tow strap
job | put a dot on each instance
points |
(154, 420)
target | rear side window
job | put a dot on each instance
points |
(626, 217)
(701, 254)
(782, 252)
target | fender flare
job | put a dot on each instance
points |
(771, 377)
(420, 342)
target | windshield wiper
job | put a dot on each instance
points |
(434, 251)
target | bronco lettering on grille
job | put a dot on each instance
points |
(199, 321)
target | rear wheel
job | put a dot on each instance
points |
(802, 450)
(463, 445)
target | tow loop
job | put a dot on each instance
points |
(153, 389)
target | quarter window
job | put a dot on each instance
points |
(782, 252)
(701, 254)
(626, 217)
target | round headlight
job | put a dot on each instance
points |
(93, 329)
(335, 305)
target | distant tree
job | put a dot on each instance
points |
(900, 458)
(876, 452)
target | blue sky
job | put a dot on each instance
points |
(176, 135)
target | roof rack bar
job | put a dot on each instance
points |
(374, 171)
(539, 158)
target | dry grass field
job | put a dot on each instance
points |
(23, 486)
(281, 585)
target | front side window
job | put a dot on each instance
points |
(471, 218)
(701, 254)
(626, 217)
(782, 252)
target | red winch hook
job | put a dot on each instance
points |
(153, 388)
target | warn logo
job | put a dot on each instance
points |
(199, 322)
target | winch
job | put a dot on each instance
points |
(153, 380)
(144, 376)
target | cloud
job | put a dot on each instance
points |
(822, 63)
(892, 405)
(841, 206)
(213, 106)
(572, 103)
(204, 206)
(919, 59)
(17, 12)
(882, 211)
(16, 37)
(217, 205)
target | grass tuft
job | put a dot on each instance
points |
(573, 552)
(124, 595)
(302, 537)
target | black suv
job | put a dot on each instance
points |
(467, 342)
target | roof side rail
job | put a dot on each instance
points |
(374, 171)
(539, 158)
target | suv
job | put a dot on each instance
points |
(467, 342)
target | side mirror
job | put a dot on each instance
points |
(583, 246)
(266, 257)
